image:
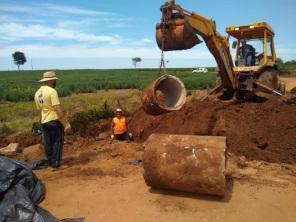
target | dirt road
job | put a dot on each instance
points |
(290, 82)
(101, 184)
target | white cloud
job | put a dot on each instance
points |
(42, 9)
(15, 31)
(139, 42)
(74, 10)
(75, 24)
(83, 51)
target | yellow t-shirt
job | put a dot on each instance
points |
(45, 98)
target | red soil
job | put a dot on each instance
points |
(262, 131)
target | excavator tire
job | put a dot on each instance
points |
(240, 95)
(269, 78)
(281, 87)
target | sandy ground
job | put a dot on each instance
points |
(290, 82)
(99, 182)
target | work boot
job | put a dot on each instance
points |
(55, 164)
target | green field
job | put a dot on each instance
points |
(19, 117)
(285, 68)
(20, 86)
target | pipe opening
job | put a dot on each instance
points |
(167, 93)
(170, 93)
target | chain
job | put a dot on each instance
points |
(162, 68)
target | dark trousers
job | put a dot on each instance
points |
(53, 140)
(122, 137)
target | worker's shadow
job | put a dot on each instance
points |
(226, 198)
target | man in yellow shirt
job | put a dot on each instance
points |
(53, 120)
(119, 127)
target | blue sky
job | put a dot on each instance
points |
(64, 34)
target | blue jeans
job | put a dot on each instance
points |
(53, 140)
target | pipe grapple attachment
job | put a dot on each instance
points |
(174, 32)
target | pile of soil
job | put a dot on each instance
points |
(23, 139)
(261, 131)
(3, 141)
(26, 139)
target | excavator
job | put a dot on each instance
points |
(254, 67)
(195, 163)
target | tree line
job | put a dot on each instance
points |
(280, 61)
(19, 58)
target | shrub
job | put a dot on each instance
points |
(5, 130)
(79, 120)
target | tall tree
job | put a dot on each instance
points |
(279, 61)
(19, 58)
(135, 60)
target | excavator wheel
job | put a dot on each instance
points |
(281, 87)
(269, 78)
(240, 95)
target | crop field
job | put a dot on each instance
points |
(19, 117)
(20, 86)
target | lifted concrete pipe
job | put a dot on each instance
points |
(186, 163)
(165, 94)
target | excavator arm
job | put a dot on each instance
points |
(178, 30)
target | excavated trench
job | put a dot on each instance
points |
(259, 131)
(262, 131)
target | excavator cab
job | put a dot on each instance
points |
(255, 58)
(254, 46)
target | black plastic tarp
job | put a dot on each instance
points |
(20, 194)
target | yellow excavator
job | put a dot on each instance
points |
(254, 67)
(197, 163)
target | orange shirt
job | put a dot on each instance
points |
(119, 125)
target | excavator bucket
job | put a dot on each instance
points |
(176, 34)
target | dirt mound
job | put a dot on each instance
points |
(25, 139)
(3, 141)
(263, 131)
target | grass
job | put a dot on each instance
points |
(81, 90)
(285, 68)
(20, 86)
(19, 117)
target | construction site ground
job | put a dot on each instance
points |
(102, 182)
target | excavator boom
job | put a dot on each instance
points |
(178, 30)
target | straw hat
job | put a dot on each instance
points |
(48, 76)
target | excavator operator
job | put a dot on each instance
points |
(247, 53)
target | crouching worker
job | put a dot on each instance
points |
(119, 127)
(53, 120)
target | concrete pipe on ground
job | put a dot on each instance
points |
(185, 163)
(165, 94)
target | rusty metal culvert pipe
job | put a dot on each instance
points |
(165, 94)
(188, 163)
